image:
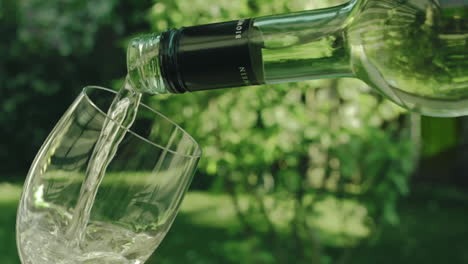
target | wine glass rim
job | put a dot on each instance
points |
(197, 152)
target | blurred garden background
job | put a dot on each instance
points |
(315, 172)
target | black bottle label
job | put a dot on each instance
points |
(211, 56)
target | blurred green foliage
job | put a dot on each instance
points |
(50, 50)
(439, 134)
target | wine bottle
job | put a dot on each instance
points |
(415, 52)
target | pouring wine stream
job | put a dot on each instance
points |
(121, 113)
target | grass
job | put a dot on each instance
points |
(9, 196)
(433, 229)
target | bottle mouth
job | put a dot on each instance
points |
(143, 65)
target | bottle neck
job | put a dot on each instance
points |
(274, 49)
(305, 45)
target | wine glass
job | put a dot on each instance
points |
(135, 203)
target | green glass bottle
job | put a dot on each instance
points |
(415, 52)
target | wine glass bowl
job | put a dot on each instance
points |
(136, 202)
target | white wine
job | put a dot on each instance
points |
(415, 52)
(102, 243)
